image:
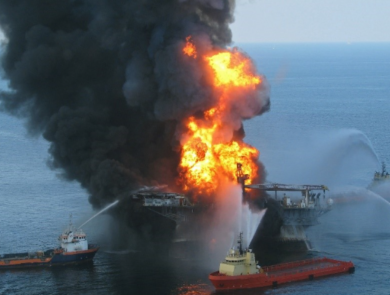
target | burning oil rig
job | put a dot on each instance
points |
(283, 226)
(282, 229)
(169, 109)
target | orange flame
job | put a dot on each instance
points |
(204, 163)
(190, 48)
(231, 69)
(205, 158)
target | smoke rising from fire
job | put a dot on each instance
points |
(108, 85)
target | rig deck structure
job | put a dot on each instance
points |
(291, 214)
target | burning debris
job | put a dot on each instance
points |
(133, 93)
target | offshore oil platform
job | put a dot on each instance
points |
(287, 217)
(291, 209)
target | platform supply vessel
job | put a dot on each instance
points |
(240, 270)
(74, 249)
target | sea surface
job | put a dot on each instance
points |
(328, 124)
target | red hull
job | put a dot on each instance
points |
(282, 273)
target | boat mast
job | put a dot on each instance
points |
(70, 222)
(383, 169)
(240, 243)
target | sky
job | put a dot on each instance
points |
(293, 21)
(289, 21)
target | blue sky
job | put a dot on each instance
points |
(346, 21)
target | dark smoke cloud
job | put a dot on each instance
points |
(106, 83)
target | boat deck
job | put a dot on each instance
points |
(282, 273)
(301, 266)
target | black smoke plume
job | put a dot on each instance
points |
(106, 84)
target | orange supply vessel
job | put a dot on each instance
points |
(239, 270)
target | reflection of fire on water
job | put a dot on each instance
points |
(194, 289)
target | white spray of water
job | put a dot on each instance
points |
(248, 220)
(382, 189)
(251, 220)
(353, 194)
(334, 158)
(100, 212)
(3, 39)
(232, 217)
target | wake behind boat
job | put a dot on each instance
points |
(74, 249)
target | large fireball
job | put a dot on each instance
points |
(208, 158)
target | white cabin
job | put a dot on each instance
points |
(72, 240)
(236, 264)
(239, 262)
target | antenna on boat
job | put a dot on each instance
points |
(240, 243)
(383, 169)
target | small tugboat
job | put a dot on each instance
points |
(380, 177)
(74, 249)
(239, 270)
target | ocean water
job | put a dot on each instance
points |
(328, 124)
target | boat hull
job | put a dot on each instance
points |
(282, 274)
(74, 257)
(25, 263)
(48, 259)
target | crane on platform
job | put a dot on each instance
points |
(287, 187)
(305, 189)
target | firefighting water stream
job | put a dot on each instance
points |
(100, 212)
(250, 221)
